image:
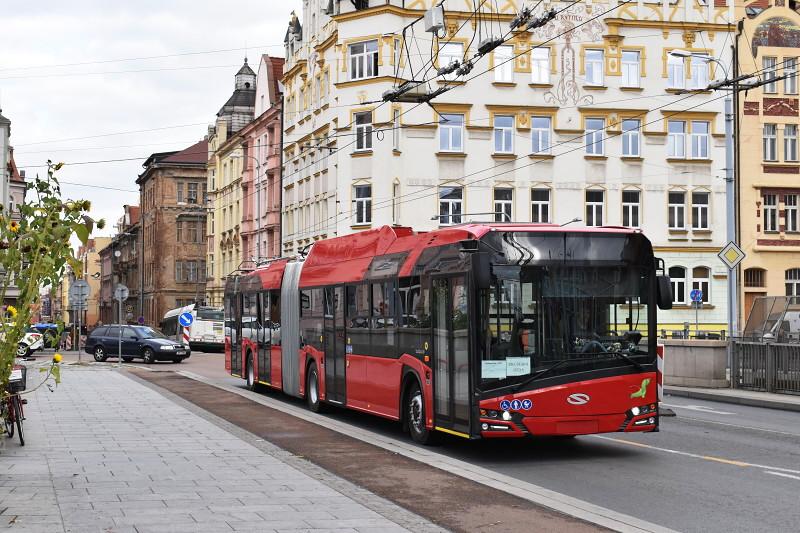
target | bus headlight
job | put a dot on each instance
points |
(506, 416)
(635, 411)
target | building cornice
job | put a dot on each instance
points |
(616, 23)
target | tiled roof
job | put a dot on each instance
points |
(133, 211)
(13, 171)
(277, 71)
(197, 153)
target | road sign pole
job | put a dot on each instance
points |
(119, 353)
(696, 321)
(79, 333)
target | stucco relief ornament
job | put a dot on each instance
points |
(566, 89)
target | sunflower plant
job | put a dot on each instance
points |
(35, 252)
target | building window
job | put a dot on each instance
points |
(630, 208)
(179, 192)
(676, 139)
(503, 200)
(770, 142)
(630, 68)
(676, 72)
(396, 129)
(191, 192)
(790, 206)
(770, 212)
(594, 208)
(540, 65)
(769, 74)
(363, 201)
(540, 206)
(630, 138)
(396, 203)
(793, 282)
(504, 134)
(755, 277)
(363, 131)
(594, 136)
(699, 139)
(700, 66)
(677, 210)
(790, 142)
(700, 210)
(504, 64)
(594, 67)
(701, 277)
(540, 135)
(179, 231)
(363, 60)
(451, 133)
(790, 70)
(677, 278)
(450, 203)
(179, 272)
(450, 53)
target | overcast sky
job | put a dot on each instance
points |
(52, 99)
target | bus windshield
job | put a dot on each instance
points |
(210, 313)
(544, 321)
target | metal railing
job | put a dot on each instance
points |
(766, 366)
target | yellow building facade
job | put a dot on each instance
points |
(768, 159)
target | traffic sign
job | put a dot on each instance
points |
(696, 295)
(186, 319)
(121, 292)
(731, 255)
(79, 291)
(140, 320)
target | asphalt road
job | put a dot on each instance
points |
(713, 467)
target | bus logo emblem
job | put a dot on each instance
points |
(578, 398)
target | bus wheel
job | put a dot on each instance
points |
(415, 410)
(251, 374)
(312, 390)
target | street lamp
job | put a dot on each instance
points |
(257, 187)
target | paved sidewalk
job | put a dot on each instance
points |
(105, 453)
(786, 402)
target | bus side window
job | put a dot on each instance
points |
(263, 309)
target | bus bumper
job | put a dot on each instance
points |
(550, 426)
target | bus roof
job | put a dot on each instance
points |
(347, 258)
(178, 311)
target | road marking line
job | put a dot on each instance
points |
(741, 427)
(782, 475)
(701, 408)
(563, 503)
(695, 455)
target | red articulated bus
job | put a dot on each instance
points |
(478, 330)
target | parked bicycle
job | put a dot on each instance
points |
(11, 406)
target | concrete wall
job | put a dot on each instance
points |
(695, 363)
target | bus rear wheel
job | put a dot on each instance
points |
(415, 411)
(312, 390)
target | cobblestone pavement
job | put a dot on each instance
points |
(105, 453)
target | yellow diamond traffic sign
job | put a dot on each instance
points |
(731, 255)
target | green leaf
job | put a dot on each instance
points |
(81, 231)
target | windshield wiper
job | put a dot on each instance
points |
(626, 359)
(541, 373)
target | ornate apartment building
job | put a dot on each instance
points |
(224, 176)
(599, 115)
(769, 178)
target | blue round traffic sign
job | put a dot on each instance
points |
(516, 405)
(186, 319)
(505, 405)
(527, 404)
(696, 295)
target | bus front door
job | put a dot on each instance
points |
(334, 345)
(451, 355)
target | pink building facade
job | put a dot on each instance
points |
(261, 178)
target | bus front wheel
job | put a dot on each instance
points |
(415, 411)
(251, 374)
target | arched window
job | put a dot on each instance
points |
(677, 276)
(701, 279)
(755, 277)
(793, 282)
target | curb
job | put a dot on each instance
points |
(738, 400)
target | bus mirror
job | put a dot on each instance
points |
(664, 288)
(481, 270)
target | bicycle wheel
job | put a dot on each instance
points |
(7, 413)
(18, 418)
